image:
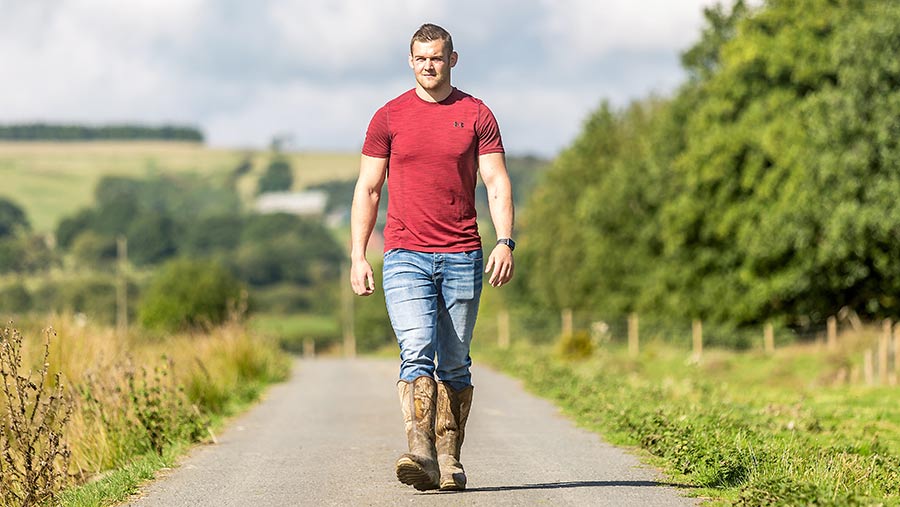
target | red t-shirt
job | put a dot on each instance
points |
(433, 150)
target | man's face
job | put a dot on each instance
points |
(431, 65)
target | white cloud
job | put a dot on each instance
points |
(578, 29)
(347, 34)
(245, 71)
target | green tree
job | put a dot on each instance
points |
(151, 239)
(12, 219)
(278, 177)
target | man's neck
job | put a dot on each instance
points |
(434, 95)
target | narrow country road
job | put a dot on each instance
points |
(330, 436)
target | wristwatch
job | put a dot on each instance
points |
(508, 242)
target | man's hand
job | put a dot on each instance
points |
(501, 262)
(361, 278)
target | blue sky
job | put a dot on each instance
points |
(316, 70)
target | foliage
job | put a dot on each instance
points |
(188, 294)
(153, 214)
(46, 131)
(26, 254)
(279, 176)
(91, 249)
(212, 234)
(286, 248)
(748, 429)
(371, 324)
(121, 414)
(152, 239)
(34, 456)
(15, 298)
(161, 407)
(764, 190)
(12, 219)
(575, 345)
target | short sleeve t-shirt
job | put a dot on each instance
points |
(432, 150)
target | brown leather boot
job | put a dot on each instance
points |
(418, 467)
(450, 429)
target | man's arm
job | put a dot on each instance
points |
(363, 214)
(499, 190)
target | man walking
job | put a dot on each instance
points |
(432, 140)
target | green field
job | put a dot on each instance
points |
(735, 428)
(51, 180)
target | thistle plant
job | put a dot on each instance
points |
(34, 457)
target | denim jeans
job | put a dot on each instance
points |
(432, 300)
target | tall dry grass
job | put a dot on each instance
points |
(130, 395)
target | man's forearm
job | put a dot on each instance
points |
(363, 215)
(501, 205)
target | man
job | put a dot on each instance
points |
(432, 139)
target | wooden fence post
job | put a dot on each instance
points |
(896, 354)
(832, 332)
(769, 338)
(567, 325)
(697, 329)
(503, 329)
(868, 374)
(633, 335)
(883, 343)
(121, 286)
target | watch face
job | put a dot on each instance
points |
(508, 242)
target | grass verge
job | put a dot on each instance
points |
(745, 429)
(136, 402)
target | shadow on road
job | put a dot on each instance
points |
(581, 484)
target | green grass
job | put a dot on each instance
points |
(743, 428)
(119, 484)
(292, 330)
(52, 180)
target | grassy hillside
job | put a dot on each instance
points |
(51, 180)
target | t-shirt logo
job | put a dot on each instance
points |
(458, 124)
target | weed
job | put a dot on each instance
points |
(35, 458)
(161, 407)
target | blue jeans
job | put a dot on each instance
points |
(432, 300)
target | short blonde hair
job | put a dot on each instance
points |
(429, 32)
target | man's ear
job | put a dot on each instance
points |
(454, 56)
(411, 65)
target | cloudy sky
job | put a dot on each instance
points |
(316, 70)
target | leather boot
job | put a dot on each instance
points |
(418, 467)
(450, 429)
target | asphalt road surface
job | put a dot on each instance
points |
(330, 435)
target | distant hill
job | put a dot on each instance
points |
(124, 132)
(54, 179)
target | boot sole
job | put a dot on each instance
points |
(409, 472)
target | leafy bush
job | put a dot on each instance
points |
(187, 294)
